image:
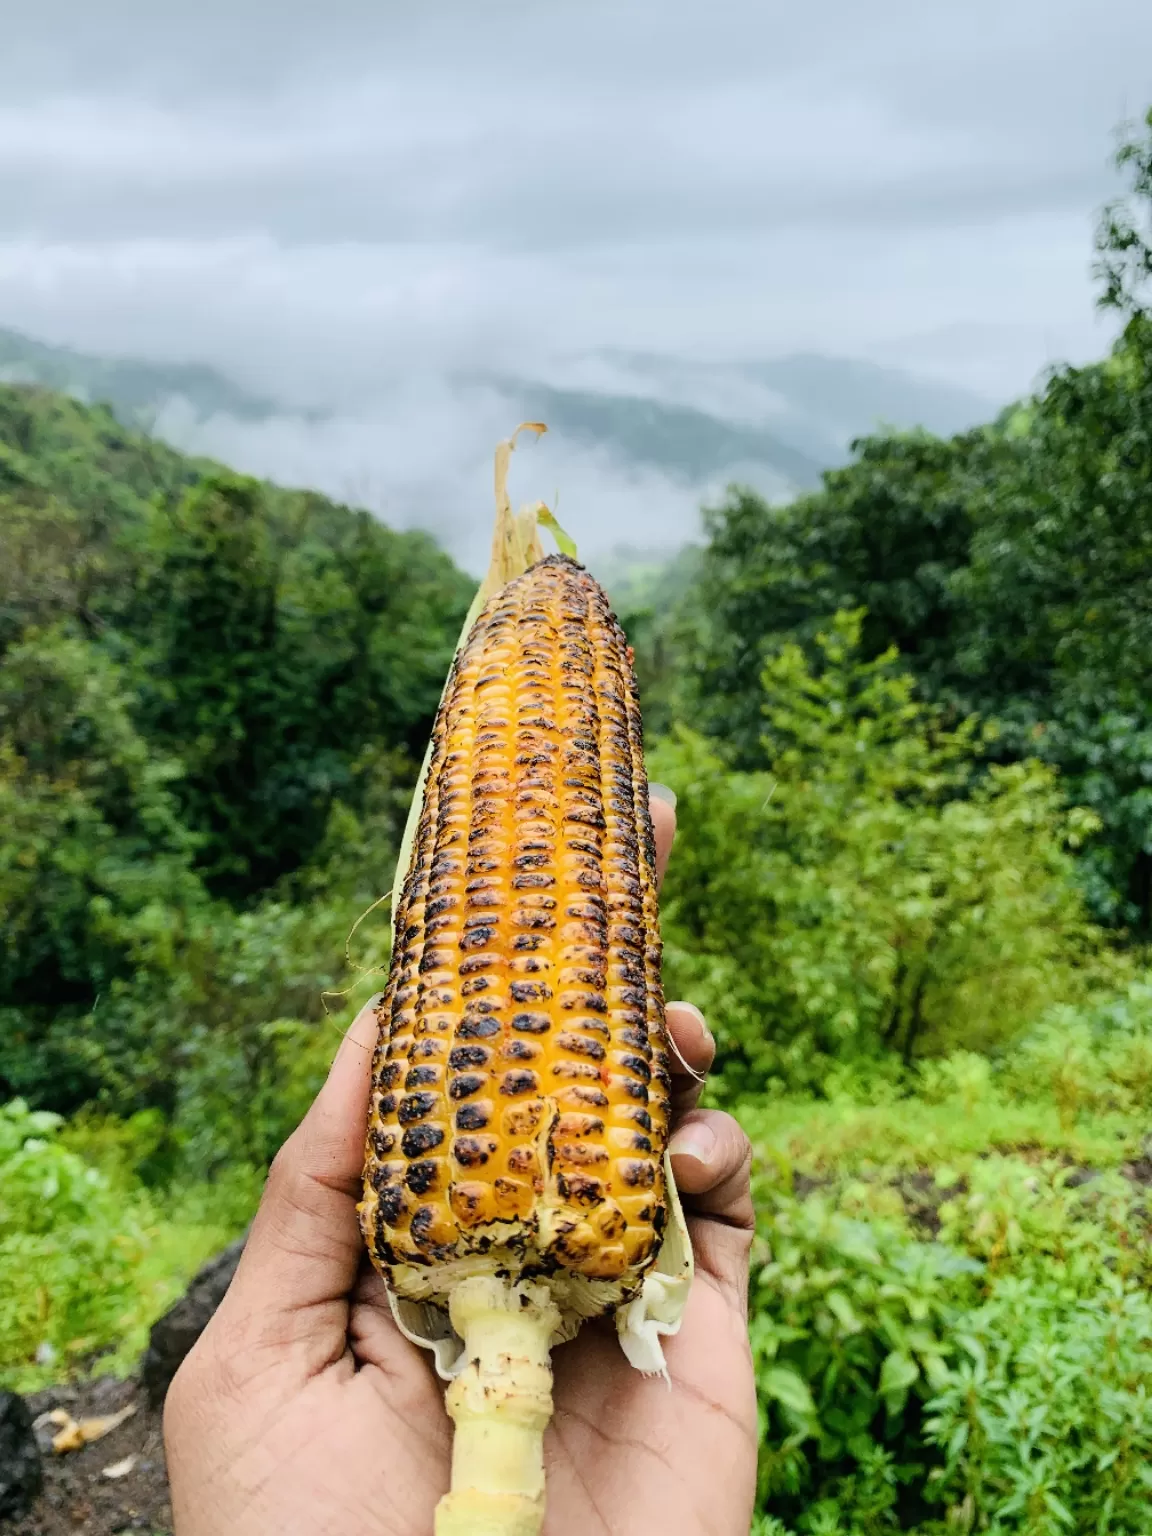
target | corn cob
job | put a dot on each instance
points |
(515, 1171)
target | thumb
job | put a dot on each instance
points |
(305, 1245)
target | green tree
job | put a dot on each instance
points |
(885, 534)
(862, 894)
(274, 646)
(1124, 235)
(94, 858)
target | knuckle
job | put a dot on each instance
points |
(283, 1169)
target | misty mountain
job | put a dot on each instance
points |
(636, 442)
(798, 413)
(137, 390)
(683, 441)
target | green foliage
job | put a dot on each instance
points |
(212, 697)
(1124, 236)
(950, 1306)
(1046, 1422)
(267, 666)
(855, 896)
(85, 1260)
(848, 1319)
(884, 534)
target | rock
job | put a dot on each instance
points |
(21, 1475)
(174, 1334)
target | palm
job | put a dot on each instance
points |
(623, 1452)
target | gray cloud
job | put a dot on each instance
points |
(351, 203)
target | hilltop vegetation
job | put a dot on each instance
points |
(212, 695)
(909, 721)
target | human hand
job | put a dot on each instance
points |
(302, 1410)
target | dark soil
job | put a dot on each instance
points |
(77, 1499)
(923, 1198)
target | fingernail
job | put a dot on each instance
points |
(662, 792)
(697, 1140)
(706, 1034)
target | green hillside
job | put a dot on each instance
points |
(136, 389)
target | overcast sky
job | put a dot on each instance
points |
(319, 196)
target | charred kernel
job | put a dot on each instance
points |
(640, 1116)
(414, 1106)
(634, 1172)
(581, 1188)
(532, 1023)
(530, 992)
(477, 938)
(589, 1025)
(636, 1064)
(581, 976)
(523, 1119)
(527, 941)
(476, 963)
(472, 1151)
(419, 1139)
(578, 1125)
(521, 1050)
(594, 1002)
(479, 924)
(393, 1203)
(469, 1056)
(422, 1176)
(383, 1142)
(422, 1224)
(474, 1116)
(526, 917)
(389, 1074)
(575, 1069)
(420, 1077)
(581, 1154)
(387, 1105)
(469, 1201)
(581, 1045)
(518, 1081)
(482, 1027)
(464, 1085)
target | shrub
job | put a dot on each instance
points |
(86, 1263)
(867, 893)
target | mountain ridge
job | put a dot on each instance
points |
(781, 420)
